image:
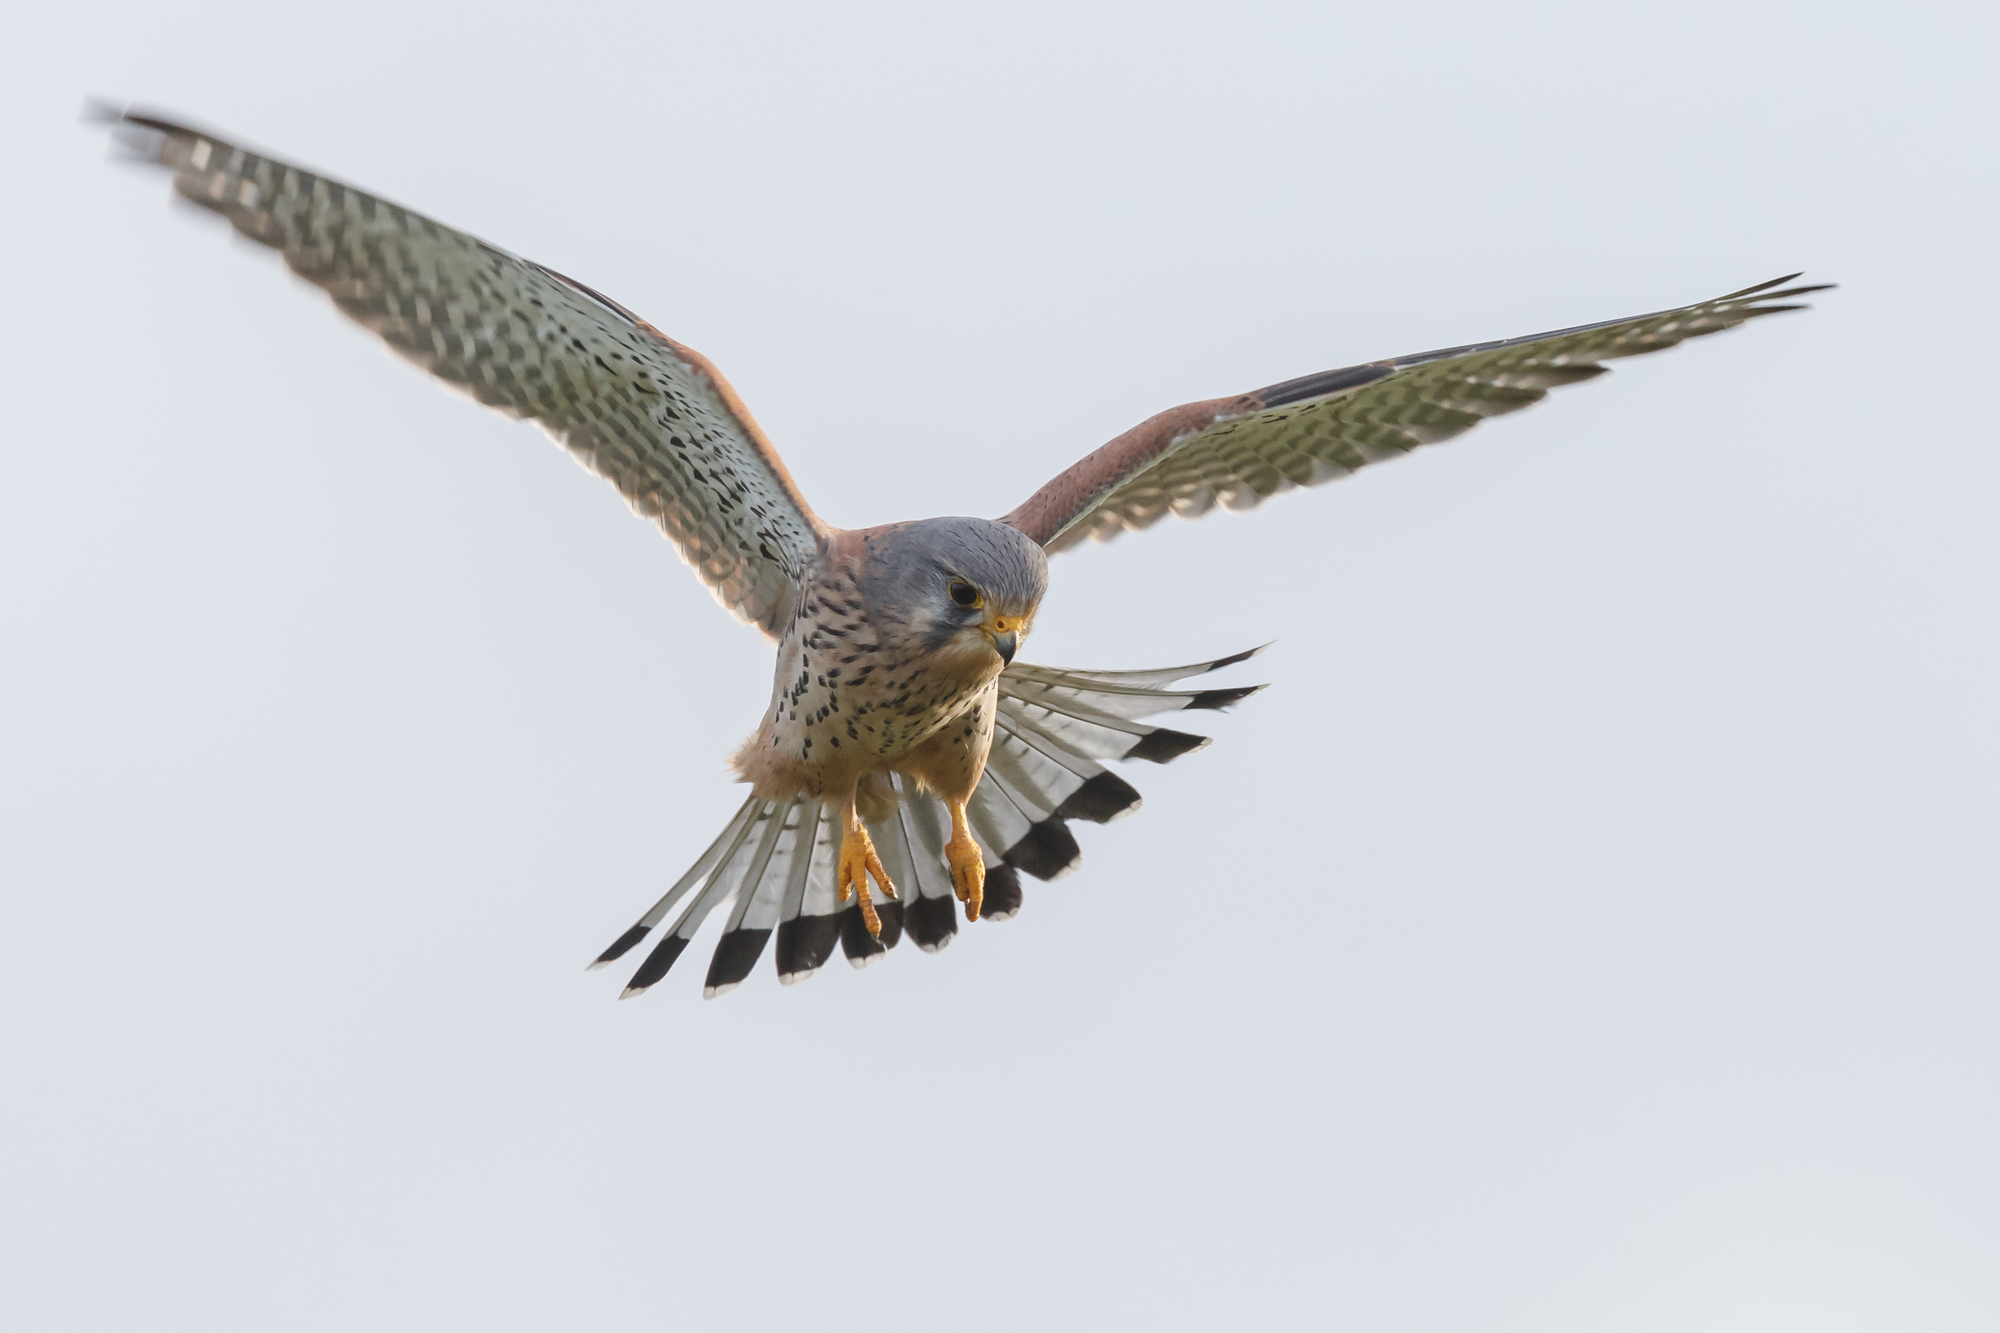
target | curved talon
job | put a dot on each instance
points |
(858, 862)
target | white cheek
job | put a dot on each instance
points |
(968, 648)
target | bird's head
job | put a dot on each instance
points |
(966, 588)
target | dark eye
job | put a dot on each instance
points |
(965, 594)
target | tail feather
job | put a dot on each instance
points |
(1105, 692)
(996, 821)
(1003, 894)
(1034, 795)
(725, 881)
(810, 923)
(931, 923)
(857, 945)
(774, 860)
(892, 844)
(930, 917)
(1159, 676)
(718, 885)
(1101, 799)
(1032, 761)
(723, 844)
(786, 846)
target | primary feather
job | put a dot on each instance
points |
(1237, 452)
(652, 417)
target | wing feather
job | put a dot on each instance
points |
(1238, 452)
(654, 418)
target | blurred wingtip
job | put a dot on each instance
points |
(1222, 699)
(1764, 286)
(1777, 290)
(1234, 658)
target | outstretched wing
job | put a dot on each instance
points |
(1235, 452)
(652, 417)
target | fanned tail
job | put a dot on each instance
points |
(774, 861)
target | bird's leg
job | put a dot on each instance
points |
(968, 863)
(857, 862)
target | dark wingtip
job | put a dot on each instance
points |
(1318, 385)
(1783, 301)
(135, 137)
(1243, 656)
(620, 947)
(1763, 286)
(131, 115)
(1224, 698)
(1763, 292)
(1163, 745)
(657, 962)
(1101, 799)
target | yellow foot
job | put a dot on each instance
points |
(968, 869)
(857, 862)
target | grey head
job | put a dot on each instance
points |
(964, 588)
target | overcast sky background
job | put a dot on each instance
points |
(1593, 927)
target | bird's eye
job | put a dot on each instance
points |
(965, 594)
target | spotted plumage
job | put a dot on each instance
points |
(906, 762)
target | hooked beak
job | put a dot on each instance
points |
(1005, 635)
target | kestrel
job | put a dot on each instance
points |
(907, 757)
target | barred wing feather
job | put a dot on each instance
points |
(1238, 452)
(652, 417)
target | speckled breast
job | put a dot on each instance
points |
(850, 694)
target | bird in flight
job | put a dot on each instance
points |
(907, 757)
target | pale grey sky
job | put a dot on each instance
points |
(1593, 927)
